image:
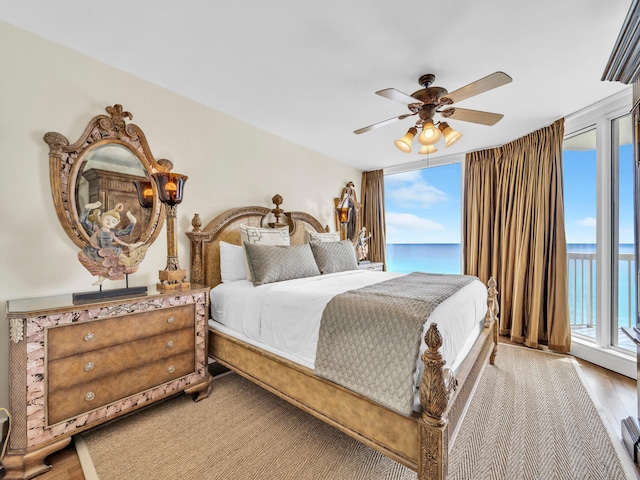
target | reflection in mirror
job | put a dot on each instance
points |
(108, 175)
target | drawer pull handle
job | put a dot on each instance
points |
(171, 369)
(170, 320)
(89, 396)
(88, 367)
(88, 337)
(170, 344)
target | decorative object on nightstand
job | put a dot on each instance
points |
(362, 247)
(170, 188)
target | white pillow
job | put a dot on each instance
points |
(322, 237)
(231, 262)
(261, 236)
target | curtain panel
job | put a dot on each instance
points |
(373, 218)
(514, 230)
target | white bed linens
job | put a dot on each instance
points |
(285, 316)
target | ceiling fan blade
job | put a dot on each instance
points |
(382, 123)
(397, 95)
(473, 116)
(485, 84)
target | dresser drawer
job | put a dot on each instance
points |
(78, 369)
(63, 404)
(67, 340)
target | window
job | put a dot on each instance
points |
(422, 210)
(599, 219)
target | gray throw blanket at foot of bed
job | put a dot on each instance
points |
(369, 338)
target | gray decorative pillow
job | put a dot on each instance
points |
(275, 263)
(333, 257)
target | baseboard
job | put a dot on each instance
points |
(605, 357)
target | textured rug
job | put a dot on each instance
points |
(531, 418)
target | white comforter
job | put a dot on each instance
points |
(285, 316)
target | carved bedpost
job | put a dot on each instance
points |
(435, 390)
(492, 316)
(198, 238)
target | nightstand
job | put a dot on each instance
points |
(377, 266)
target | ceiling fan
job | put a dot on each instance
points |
(429, 101)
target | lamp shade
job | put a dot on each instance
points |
(450, 135)
(404, 144)
(427, 149)
(429, 134)
(170, 187)
(145, 193)
(343, 214)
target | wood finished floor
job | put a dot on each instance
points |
(615, 393)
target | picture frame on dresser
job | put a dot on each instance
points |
(73, 367)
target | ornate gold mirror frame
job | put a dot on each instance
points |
(105, 173)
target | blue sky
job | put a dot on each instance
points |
(423, 206)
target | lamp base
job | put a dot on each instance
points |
(172, 280)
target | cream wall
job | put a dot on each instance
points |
(45, 87)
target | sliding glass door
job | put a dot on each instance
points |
(580, 191)
(599, 225)
(623, 264)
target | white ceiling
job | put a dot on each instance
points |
(307, 71)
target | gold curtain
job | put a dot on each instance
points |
(514, 231)
(373, 220)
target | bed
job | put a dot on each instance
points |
(420, 439)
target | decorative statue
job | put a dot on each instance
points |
(362, 248)
(104, 255)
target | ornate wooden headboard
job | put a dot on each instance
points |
(205, 242)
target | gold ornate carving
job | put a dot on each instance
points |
(437, 382)
(433, 452)
(16, 330)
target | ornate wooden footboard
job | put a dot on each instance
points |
(421, 441)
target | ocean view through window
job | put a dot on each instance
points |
(422, 209)
(600, 248)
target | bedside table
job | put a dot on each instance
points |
(377, 266)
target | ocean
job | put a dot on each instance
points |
(446, 258)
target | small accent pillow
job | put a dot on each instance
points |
(231, 262)
(261, 236)
(322, 237)
(333, 257)
(275, 263)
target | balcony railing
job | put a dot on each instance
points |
(582, 289)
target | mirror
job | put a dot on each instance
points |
(103, 193)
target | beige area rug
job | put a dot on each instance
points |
(531, 418)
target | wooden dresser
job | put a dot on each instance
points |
(73, 367)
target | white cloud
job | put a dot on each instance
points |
(417, 195)
(587, 222)
(408, 221)
(404, 177)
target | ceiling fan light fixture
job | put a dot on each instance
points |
(450, 135)
(404, 143)
(425, 149)
(429, 134)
